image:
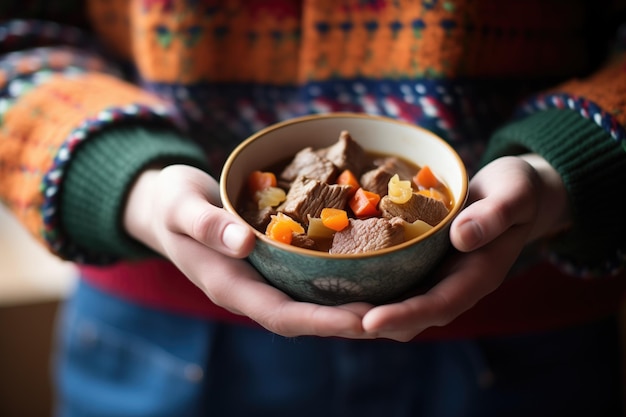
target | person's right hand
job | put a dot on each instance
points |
(513, 200)
(177, 212)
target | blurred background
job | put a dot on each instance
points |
(32, 283)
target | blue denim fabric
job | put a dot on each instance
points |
(116, 359)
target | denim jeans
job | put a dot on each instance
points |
(117, 359)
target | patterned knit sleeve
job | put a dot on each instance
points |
(579, 127)
(56, 103)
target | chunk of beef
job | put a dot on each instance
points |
(303, 241)
(419, 207)
(377, 179)
(367, 235)
(345, 154)
(308, 163)
(309, 196)
(259, 219)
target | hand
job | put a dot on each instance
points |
(513, 200)
(176, 211)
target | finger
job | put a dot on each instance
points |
(236, 286)
(189, 204)
(212, 226)
(194, 216)
(291, 318)
(358, 308)
(279, 313)
(468, 278)
(503, 195)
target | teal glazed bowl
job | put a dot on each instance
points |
(376, 277)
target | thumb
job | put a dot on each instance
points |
(502, 195)
(198, 216)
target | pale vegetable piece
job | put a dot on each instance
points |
(270, 197)
(399, 191)
(415, 229)
(317, 230)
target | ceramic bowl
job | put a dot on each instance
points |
(375, 277)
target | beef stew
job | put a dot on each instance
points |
(343, 199)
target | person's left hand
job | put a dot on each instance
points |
(512, 201)
(176, 211)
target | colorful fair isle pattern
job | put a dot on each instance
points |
(586, 108)
(18, 34)
(423, 61)
(54, 177)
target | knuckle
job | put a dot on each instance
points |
(447, 311)
(444, 319)
(272, 323)
(203, 225)
(404, 338)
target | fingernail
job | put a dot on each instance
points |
(471, 234)
(234, 236)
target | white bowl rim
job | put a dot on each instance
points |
(228, 205)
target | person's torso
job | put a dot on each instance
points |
(453, 67)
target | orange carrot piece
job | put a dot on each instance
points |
(335, 219)
(282, 227)
(364, 203)
(347, 177)
(260, 180)
(425, 178)
(280, 232)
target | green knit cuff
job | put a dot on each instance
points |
(593, 168)
(99, 177)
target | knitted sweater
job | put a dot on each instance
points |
(94, 91)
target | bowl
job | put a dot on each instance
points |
(375, 277)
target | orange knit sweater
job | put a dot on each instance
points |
(216, 71)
